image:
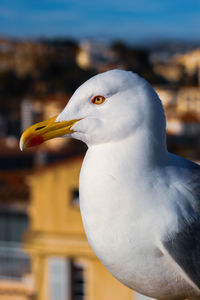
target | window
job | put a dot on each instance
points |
(78, 282)
(142, 297)
(12, 225)
(66, 280)
(59, 278)
(14, 263)
(75, 197)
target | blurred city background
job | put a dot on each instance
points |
(47, 49)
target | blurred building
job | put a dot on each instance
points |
(190, 61)
(64, 265)
(6, 53)
(182, 68)
(15, 270)
(182, 109)
(96, 55)
(170, 71)
(22, 57)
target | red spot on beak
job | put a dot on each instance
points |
(35, 141)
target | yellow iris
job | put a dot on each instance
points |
(98, 100)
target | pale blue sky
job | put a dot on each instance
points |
(134, 21)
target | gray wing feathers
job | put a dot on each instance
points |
(184, 244)
(184, 248)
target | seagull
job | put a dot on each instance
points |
(140, 204)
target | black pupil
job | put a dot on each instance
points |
(98, 99)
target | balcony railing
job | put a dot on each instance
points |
(14, 262)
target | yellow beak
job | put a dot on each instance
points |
(46, 130)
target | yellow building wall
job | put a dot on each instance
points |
(102, 285)
(56, 230)
(52, 209)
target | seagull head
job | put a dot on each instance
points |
(108, 107)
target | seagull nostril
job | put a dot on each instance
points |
(38, 128)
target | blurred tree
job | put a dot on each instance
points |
(58, 70)
(13, 87)
(137, 60)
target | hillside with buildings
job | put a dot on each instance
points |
(37, 78)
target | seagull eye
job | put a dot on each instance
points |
(98, 100)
